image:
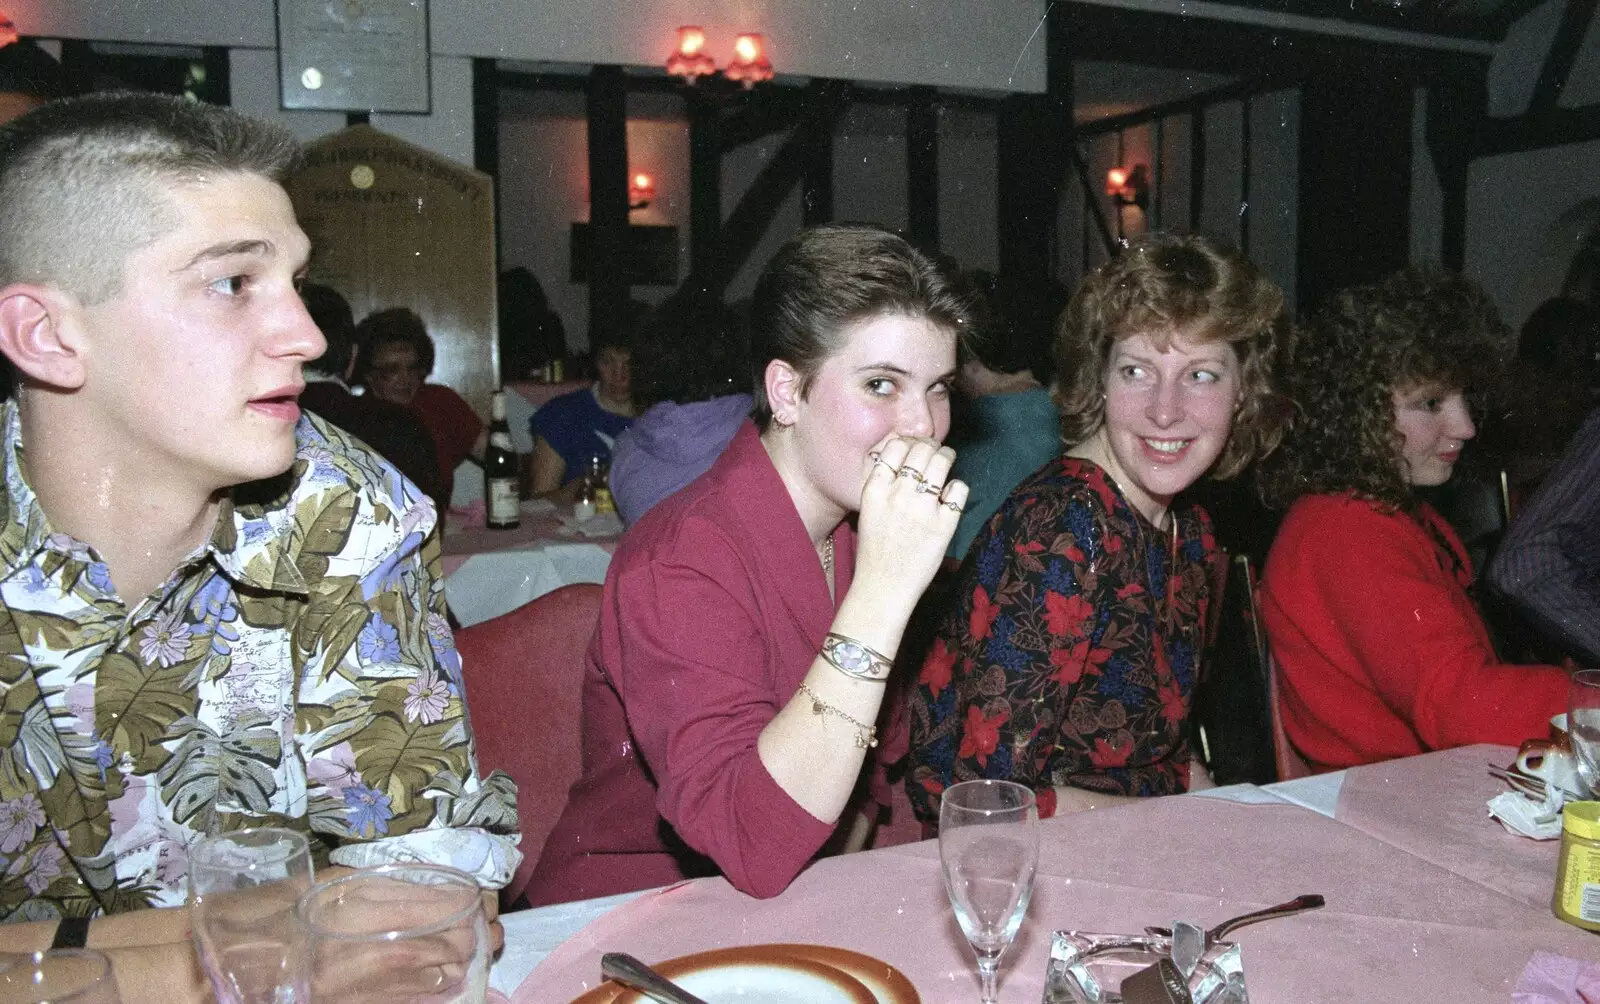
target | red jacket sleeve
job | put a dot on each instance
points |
(1418, 634)
(693, 672)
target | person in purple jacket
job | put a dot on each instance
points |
(691, 364)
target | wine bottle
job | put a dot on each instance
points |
(502, 489)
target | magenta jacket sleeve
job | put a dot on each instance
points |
(1421, 638)
(697, 671)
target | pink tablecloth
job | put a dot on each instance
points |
(1433, 806)
(1397, 927)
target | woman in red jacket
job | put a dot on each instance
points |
(1381, 652)
(736, 679)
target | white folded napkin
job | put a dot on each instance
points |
(606, 524)
(1528, 818)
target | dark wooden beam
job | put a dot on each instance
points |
(1556, 127)
(486, 133)
(705, 185)
(1456, 113)
(750, 219)
(745, 120)
(1354, 182)
(1197, 167)
(1575, 20)
(1181, 41)
(1235, 91)
(608, 203)
(1036, 149)
(816, 182)
(922, 168)
(1092, 207)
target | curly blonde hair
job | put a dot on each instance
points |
(1417, 328)
(1160, 285)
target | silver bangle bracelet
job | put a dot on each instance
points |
(854, 659)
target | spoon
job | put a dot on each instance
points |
(629, 971)
(1299, 904)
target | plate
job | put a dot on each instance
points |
(781, 974)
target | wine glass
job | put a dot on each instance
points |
(988, 850)
(412, 933)
(59, 976)
(242, 891)
(1583, 725)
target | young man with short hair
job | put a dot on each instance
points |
(215, 612)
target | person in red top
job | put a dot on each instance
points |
(746, 632)
(396, 356)
(1380, 649)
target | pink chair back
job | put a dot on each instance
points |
(524, 675)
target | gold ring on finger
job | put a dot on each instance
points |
(880, 462)
(912, 473)
(928, 487)
(953, 507)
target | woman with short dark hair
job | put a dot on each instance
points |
(1070, 656)
(736, 679)
(1380, 651)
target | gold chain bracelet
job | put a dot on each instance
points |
(866, 735)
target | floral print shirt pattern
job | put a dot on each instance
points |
(297, 670)
(1072, 648)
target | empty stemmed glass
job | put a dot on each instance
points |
(988, 851)
(242, 890)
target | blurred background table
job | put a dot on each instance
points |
(491, 572)
(1398, 926)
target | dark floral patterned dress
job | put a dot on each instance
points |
(1072, 648)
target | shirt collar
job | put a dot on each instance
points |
(251, 541)
(23, 527)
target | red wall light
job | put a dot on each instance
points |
(641, 189)
(689, 59)
(750, 65)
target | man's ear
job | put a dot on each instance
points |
(34, 338)
(783, 392)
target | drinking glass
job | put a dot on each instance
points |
(59, 976)
(988, 850)
(242, 891)
(1583, 725)
(396, 933)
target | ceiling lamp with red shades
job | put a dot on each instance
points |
(689, 60)
(750, 65)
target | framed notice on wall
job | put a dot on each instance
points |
(354, 55)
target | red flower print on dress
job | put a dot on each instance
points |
(1105, 754)
(1172, 706)
(1065, 615)
(984, 611)
(936, 670)
(1071, 662)
(981, 735)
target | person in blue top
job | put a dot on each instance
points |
(570, 430)
(1009, 426)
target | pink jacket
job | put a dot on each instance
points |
(714, 609)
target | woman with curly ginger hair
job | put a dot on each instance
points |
(1069, 659)
(1380, 651)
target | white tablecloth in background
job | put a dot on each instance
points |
(492, 572)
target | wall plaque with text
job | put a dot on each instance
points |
(354, 55)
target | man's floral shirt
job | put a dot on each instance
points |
(297, 671)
